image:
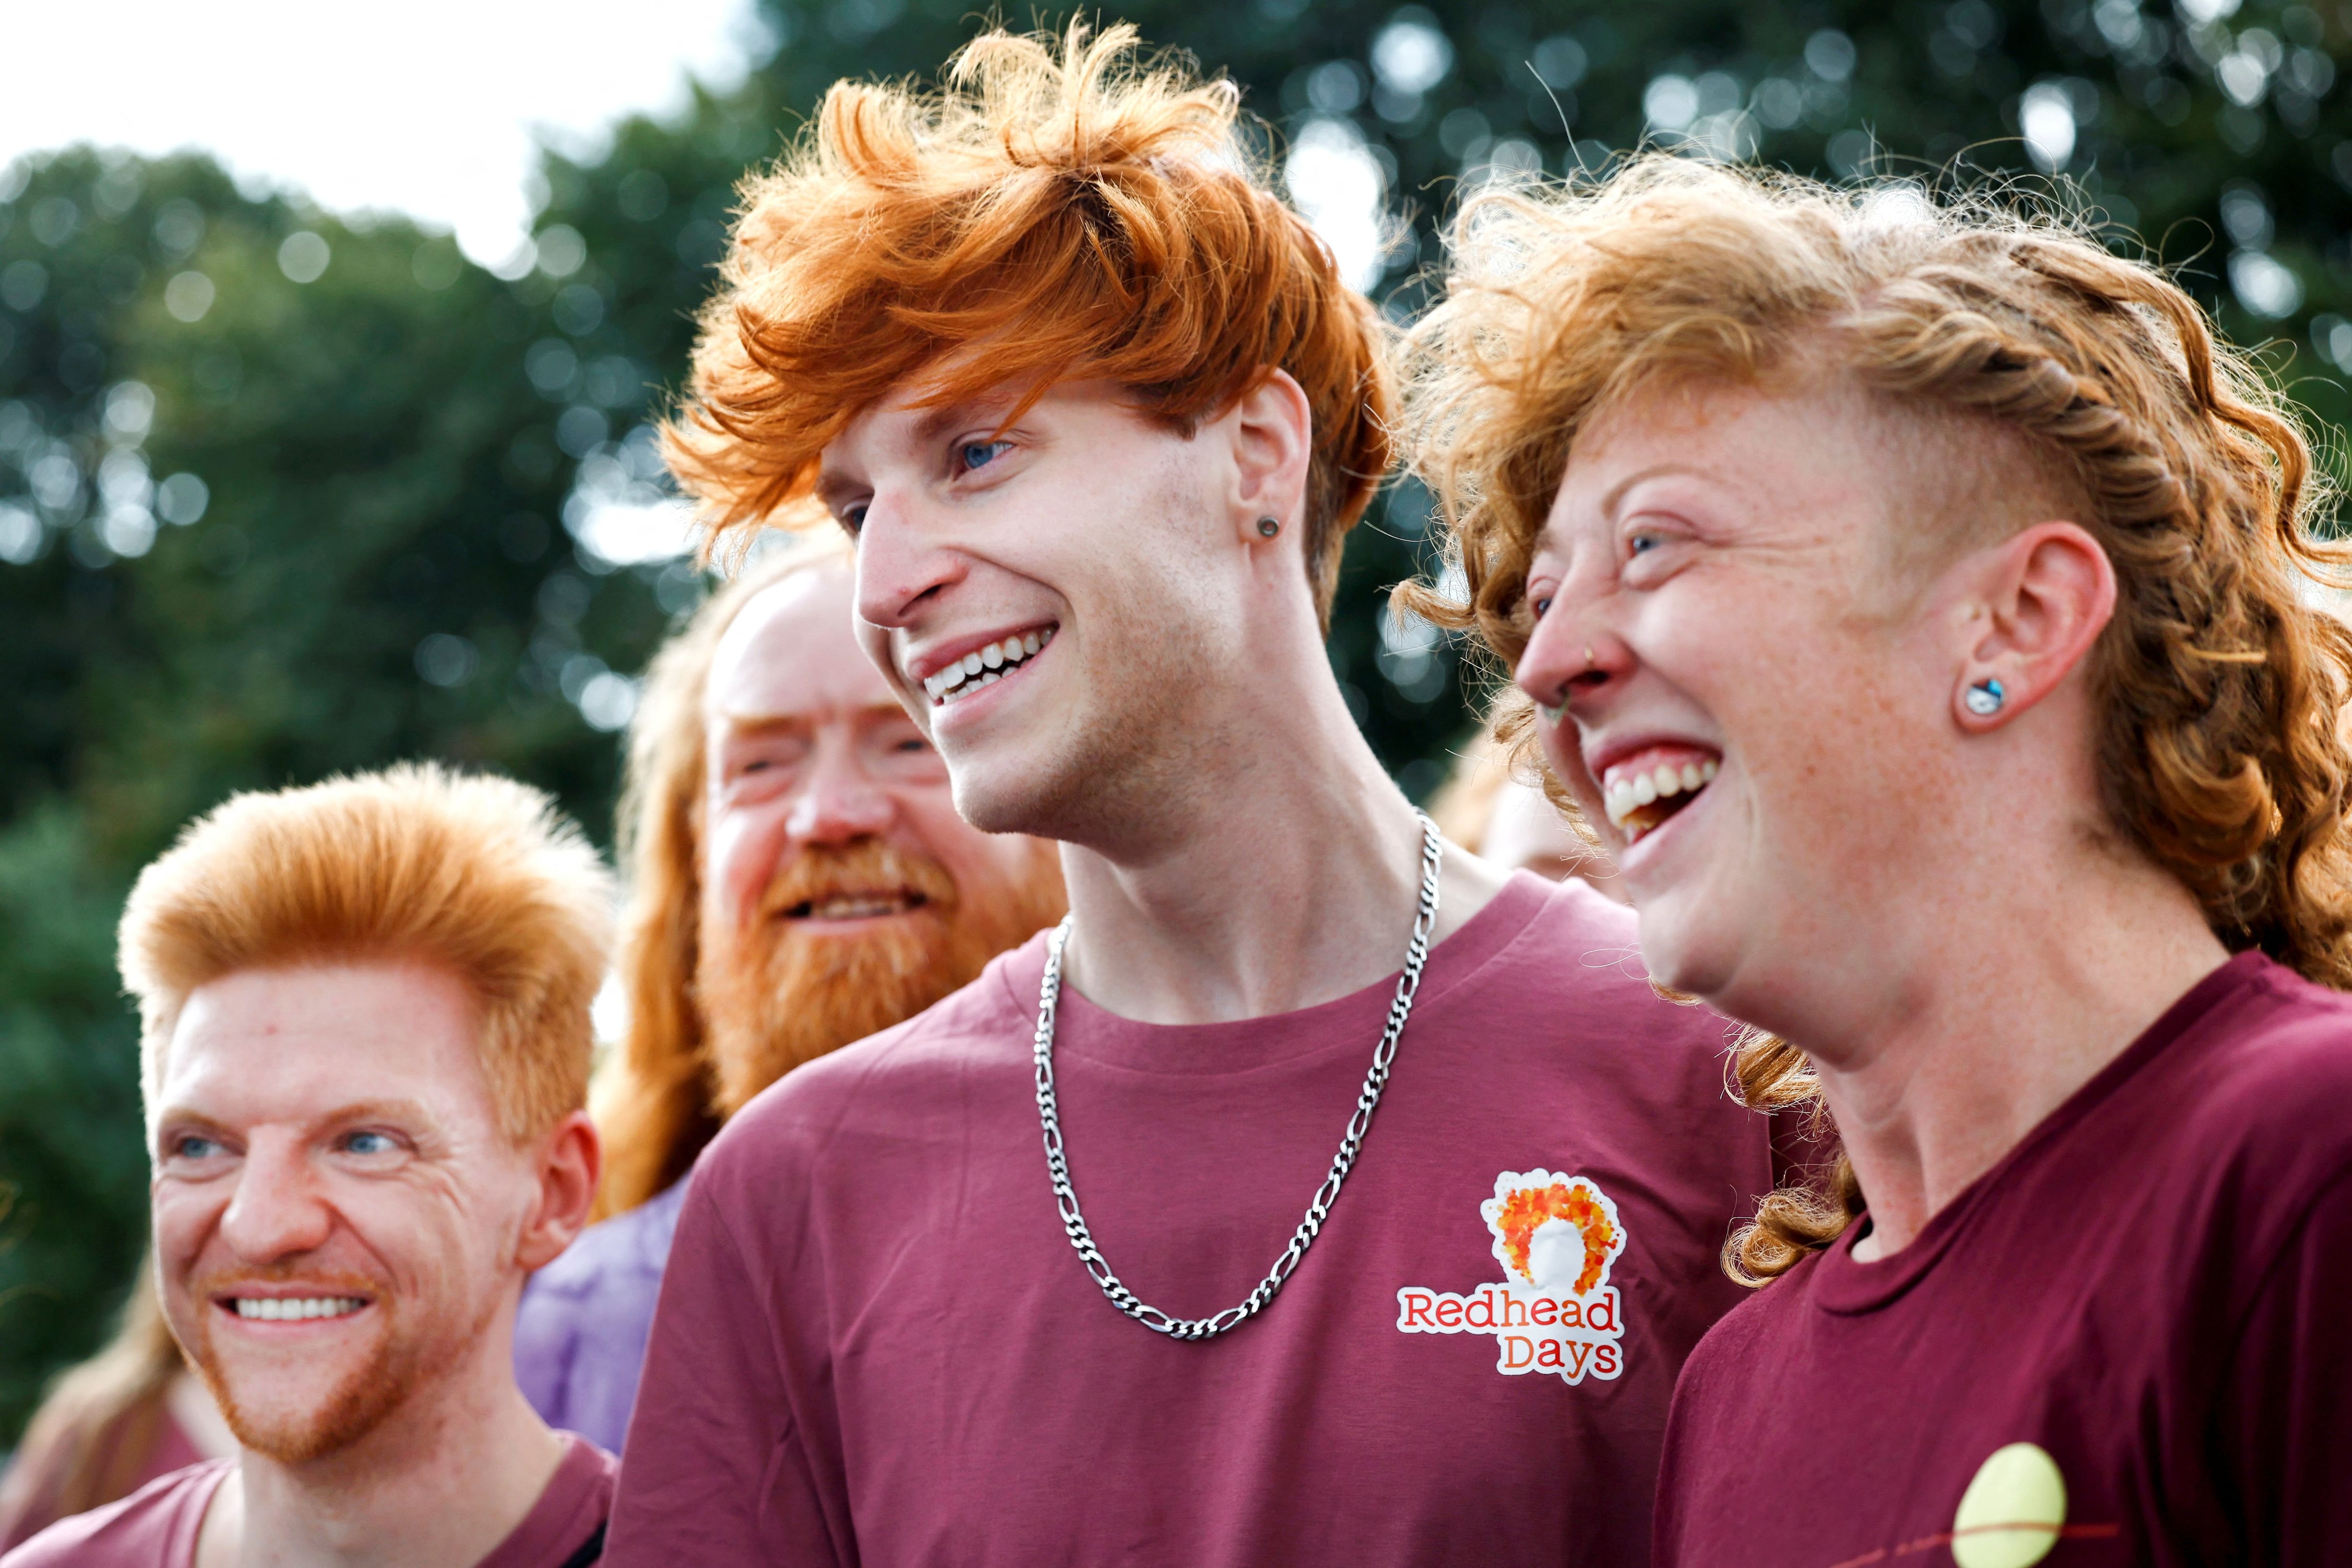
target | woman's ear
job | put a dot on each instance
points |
(1270, 430)
(2043, 597)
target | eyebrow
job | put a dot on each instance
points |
(929, 426)
(182, 1118)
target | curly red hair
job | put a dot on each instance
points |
(1084, 212)
(2222, 680)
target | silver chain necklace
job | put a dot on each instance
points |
(1049, 996)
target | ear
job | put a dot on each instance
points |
(1272, 431)
(2044, 598)
(567, 1163)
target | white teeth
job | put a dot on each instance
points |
(982, 667)
(285, 1309)
(1628, 794)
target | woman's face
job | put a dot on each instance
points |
(1745, 690)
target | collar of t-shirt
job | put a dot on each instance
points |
(1352, 1022)
(569, 1517)
(1843, 1284)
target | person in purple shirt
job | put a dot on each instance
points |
(800, 880)
(1933, 619)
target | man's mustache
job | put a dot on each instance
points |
(868, 872)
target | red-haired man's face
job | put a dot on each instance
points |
(342, 1226)
(1059, 602)
(841, 891)
(1759, 729)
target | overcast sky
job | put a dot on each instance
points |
(427, 106)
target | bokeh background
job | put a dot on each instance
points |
(285, 490)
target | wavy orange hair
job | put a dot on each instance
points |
(2221, 683)
(1084, 214)
(652, 1100)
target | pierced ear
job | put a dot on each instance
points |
(2046, 594)
(1271, 429)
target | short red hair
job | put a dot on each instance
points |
(1085, 215)
(477, 875)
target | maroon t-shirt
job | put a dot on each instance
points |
(2142, 1310)
(156, 1527)
(876, 1346)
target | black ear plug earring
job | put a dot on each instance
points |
(1270, 526)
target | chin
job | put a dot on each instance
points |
(1686, 949)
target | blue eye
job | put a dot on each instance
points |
(1641, 544)
(981, 454)
(370, 1144)
(1540, 606)
(189, 1146)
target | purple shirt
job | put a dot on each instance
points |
(875, 1345)
(2151, 1290)
(580, 1336)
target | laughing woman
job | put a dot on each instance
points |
(1925, 610)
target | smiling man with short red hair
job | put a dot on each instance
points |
(999, 1285)
(365, 1054)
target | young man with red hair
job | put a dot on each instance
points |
(364, 1054)
(1099, 414)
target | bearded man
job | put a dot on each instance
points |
(364, 1058)
(800, 880)
(1026, 1279)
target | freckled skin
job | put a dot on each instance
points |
(808, 745)
(330, 1128)
(1721, 551)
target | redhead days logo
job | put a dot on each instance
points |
(1555, 1311)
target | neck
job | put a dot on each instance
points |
(444, 1479)
(1287, 875)
(1989, 1014)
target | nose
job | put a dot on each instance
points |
(839, 798)
(1572, 660)
(902, 564)
(277, 1211)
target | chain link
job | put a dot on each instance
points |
(1065, 1197)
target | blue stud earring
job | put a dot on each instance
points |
(1984, 699)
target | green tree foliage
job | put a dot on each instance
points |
(372, 555)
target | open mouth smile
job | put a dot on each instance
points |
(871, 903)
(985, 666)
(292, 1309)
(1643, 789)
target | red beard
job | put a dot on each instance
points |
(399, 1362)
(778, 994)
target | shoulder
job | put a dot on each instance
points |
(2265, 1092)
(1751, 1333)
(910, 1080)
(154, 1527)
(1570, 962)
(2271, 1059)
